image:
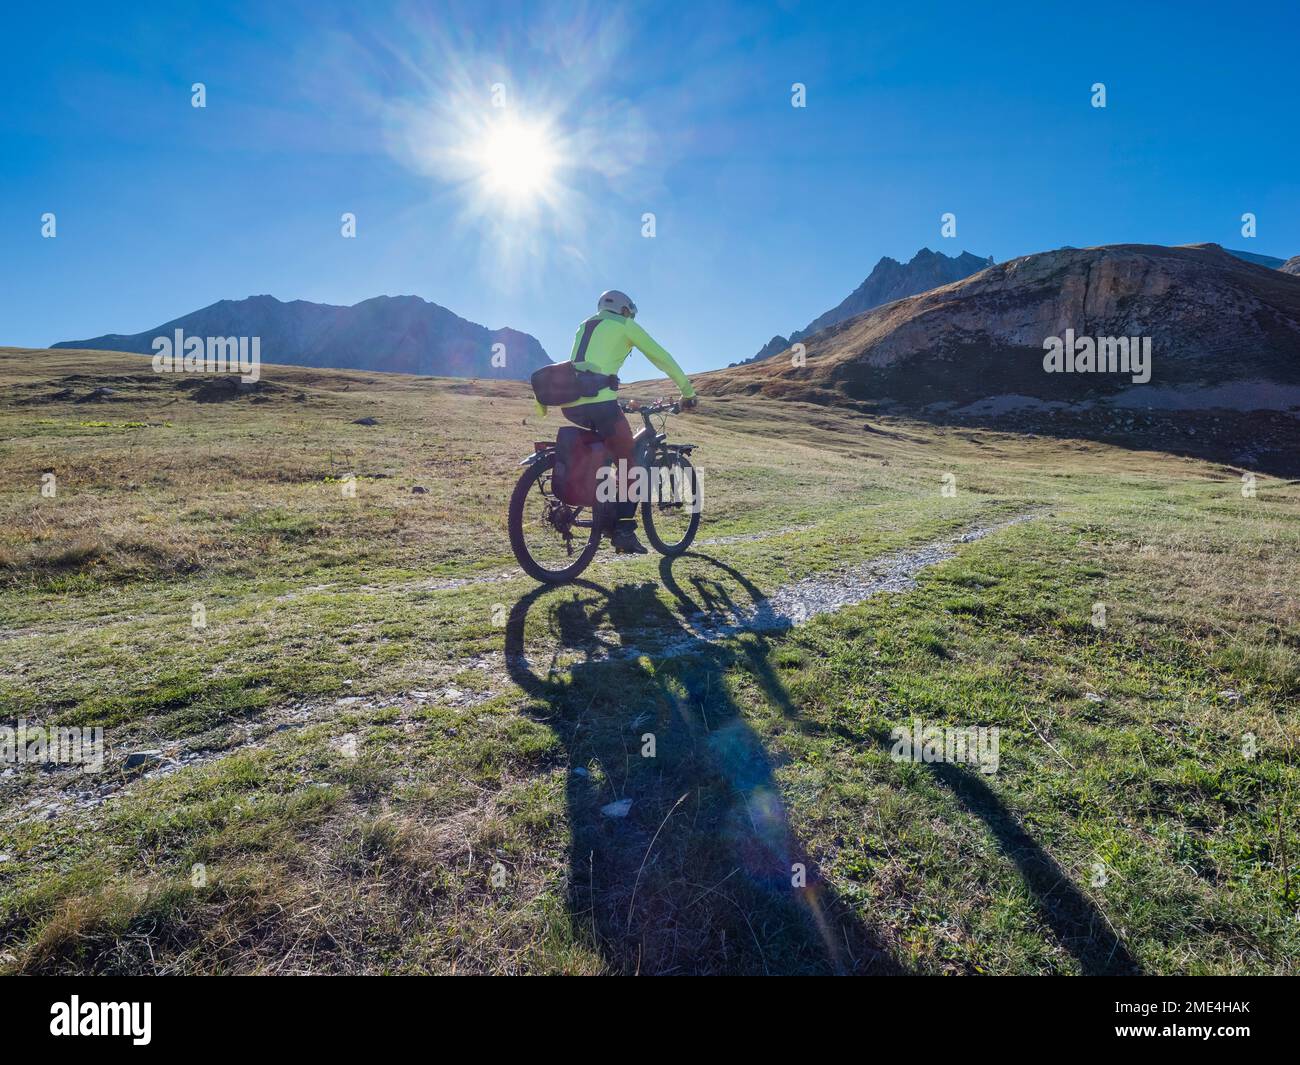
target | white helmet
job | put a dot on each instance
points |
(618, 302)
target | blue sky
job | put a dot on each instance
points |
(766, 214)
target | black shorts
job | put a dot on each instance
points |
(602, 418)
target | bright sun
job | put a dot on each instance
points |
(517, 162)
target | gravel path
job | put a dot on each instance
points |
(800, 602)
(824, 593)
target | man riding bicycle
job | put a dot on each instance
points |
(603, 342)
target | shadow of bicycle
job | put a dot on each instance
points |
(702, 872)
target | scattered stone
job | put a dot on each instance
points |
(1231, 695)
(366, 421)
(136, 759)
(419, 490)
(96, 395)
(617, 809)
(580, 771)
(222, 389)
(1093, 697)
(351, 700)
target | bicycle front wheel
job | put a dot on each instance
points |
(672, 516)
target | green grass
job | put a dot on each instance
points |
(1128, 831)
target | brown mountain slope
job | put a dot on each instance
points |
(1223, 332)
(1225, 353)
(396, 334)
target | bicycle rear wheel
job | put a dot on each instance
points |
(553, 541)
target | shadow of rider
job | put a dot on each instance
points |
(682, 857)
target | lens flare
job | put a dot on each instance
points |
(517, 134)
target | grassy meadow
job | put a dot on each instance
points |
(387, 751)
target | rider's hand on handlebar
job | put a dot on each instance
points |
(690, 402)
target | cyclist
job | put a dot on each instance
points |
(604, 342)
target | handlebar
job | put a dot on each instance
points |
(659, 406)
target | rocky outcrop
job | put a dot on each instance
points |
(1225, 354)
(1213, 321)
(399, 334)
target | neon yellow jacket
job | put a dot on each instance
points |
(611, 344)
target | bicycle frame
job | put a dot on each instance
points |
(652, 437)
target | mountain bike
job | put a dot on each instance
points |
(555, 541)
